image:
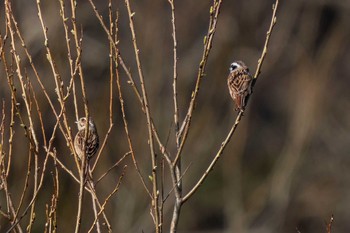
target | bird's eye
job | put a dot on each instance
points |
(233, 66)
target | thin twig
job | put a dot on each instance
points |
(173, 188)
(114, 43)
(268, 34)
(126, 129)
(40, 180)
(155, 201)
(73, 68)
(4, 175)
(2, 133)
(176, 108)
(84, 164)
(330, 224)
(110, 88)
(162, 148)
(112, 167)
(183, 131)
(109, 196)
(93, 200)
(175, 168)
(239, 116)
(119, 60)
(102, 146)
(111, 70)
(216, 158)
(67, 133)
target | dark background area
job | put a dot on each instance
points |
(287, 165)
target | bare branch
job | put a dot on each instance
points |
(183, 131)
(238, 118)
(155, 201)
(176, 108)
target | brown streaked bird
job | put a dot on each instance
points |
(92, 142)
(239, 83)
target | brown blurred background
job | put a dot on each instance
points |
(286, 167)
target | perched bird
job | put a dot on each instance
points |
(239, 83)
(92, 142)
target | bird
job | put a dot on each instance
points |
(92, 142)
(239, 83)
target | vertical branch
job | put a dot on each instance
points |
(84, 164)
(51, 215)
(81, 194)
(94, 206)
(12, 115)
(40, 183)
(26, 184)
(73, 70)
(39, 115)
(3, 175)
(111, 77)
(155, 202)
(126, 129)
(176, 108)
(91, 183)
(119, 60)
(11, 213)
(65, 130)
(96, 203)
(208, 40)
(78, 42)
(115, 190)
(12, 123)
(175, 168)
(56, 194)
(32, 150)
(2, 134)
(111, 23)
(58, 81)
(30, 133)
